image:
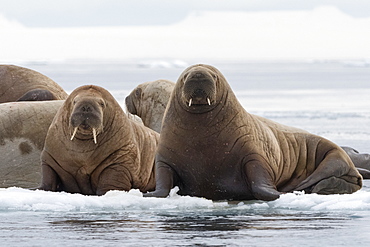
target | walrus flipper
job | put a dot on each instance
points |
(37, 95)
(332, 176)
(164, 180)
(50, 180)
(114, 177)
(365, 173)
(260, 182)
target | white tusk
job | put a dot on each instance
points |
(190, 100)
(209, 102)
(94, 134)
(74, 133)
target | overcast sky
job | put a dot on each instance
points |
(68, 13)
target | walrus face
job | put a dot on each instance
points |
(87, 117)
(130, 100)
(199, 89)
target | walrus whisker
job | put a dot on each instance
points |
(209, 102)
(94, 134)
(74, 133)
(190, 100)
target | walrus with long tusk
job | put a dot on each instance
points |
(149, 100)
(211, 147)
(22, 84)
(92, 147)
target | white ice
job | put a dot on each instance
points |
(17, 199)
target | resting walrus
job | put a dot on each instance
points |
(22, 84)
(23, 128)
(92, 147)
(211, 147)
(149, 100)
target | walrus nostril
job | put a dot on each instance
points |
(86, 108)
(199, 94)
(197, 75)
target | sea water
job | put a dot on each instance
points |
(327, 98)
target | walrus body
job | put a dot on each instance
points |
(211, 147)
(22, 84)
(92, 147)
(149, 100)
(23, 128)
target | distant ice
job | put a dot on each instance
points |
(164, 63)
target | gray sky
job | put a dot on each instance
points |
(69, 13)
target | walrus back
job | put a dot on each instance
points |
(16, 81)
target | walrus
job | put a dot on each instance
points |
(211, 147)
(92, 147)
(22, 84)
(23, 128)
(149, 100)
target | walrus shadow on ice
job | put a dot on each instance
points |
(149, 100)
(211, 147)
(92, 147)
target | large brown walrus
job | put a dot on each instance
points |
(211, 147)
(23, 128)
(22, 84)
(92, 147)
(149, 100)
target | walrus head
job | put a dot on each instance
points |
(134, 96)
(199, 89)
(86, 118)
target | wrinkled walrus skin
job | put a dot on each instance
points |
(23, 128)
(211, 147)
(22, 84)
(92, 147)
(149, 100)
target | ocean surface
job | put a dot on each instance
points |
(328, 98)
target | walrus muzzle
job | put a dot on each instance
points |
(87, 120)
(199, 89)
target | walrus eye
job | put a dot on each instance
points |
(138, 92)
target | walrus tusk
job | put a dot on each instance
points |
(94, 134)
(74, 133)
(190, 100)
(209, 102)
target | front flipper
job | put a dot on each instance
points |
(113, 177)
(260, 181)
(50, 179)
(164, 178)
